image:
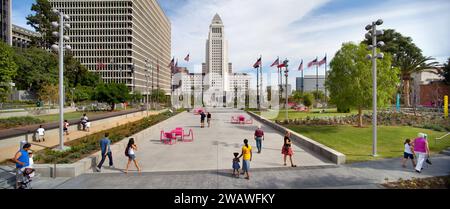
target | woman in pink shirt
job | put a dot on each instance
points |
(421, 149)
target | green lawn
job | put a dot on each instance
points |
(68, 116)
(292, 114)
(356, 143)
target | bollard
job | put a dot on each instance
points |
(446, 106)
(54, 170)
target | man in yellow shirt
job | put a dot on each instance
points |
(246, 158)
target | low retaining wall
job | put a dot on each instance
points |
(324, 151)
(87, 164)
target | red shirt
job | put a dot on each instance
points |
(259, 133)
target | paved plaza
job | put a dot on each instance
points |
(205, 163)
(212, 148)
(364, 175)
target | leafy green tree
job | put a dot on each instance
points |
(81, 93)
(350, 80)
(318, 95)
(8, 69)
(406, 56)
(308, 99)
(297, 96)
(445, 72)
(41, 20)
(159, 96)
(136, 97)
(49, 93)
(37, 67)
(77, 74)
(112, 93)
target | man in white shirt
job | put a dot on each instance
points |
(40, 134)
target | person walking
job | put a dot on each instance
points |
(84, 119)
(259, 137)
(66, 127)
(408, 153)
(286, 150)
(246, 158)
(208, 119)
(130, 151)
(202, 119)
(40, 134)
(22, 160)
(422, 150)
(106, 151)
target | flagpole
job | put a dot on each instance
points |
(317, 79)
(303, 79)
(157, 85)
(257, 88)
(261, 82)
(281, 84)
(326, 63)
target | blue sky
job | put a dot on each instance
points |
(293, 29)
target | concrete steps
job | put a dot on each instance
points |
(7, 177)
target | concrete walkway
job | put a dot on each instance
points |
(366, 175)
(8, 147)
(212, 148)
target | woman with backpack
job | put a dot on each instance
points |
(130, 153)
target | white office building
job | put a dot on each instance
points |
(122, 40)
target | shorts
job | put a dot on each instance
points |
(408, 155)
(64, 129)
(40, 137)
(131, 157)
(202, 121)
(246, 165)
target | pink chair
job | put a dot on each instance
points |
(234, 120)
(241, 119)
(168, 137)
(190, 136)
(178, 132)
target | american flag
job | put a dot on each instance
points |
(258, 63)
(300, 68)
(323, 61)
(276, 63)
(314, 62)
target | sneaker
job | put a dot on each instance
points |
(112, 166)
(98, 169)
(418, 171)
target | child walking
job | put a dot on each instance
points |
(408, 153)
(236, 165)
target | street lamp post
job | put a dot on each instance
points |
(286, 74)
(372, 34)
(146, 85)
(60, 48)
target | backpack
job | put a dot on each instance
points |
(126, 151)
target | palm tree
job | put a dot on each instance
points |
(409, 65)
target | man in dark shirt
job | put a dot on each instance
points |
(259, 136)
(106, 151)
(202, 119)
(208, 119)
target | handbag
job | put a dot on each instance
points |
(428, 161)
